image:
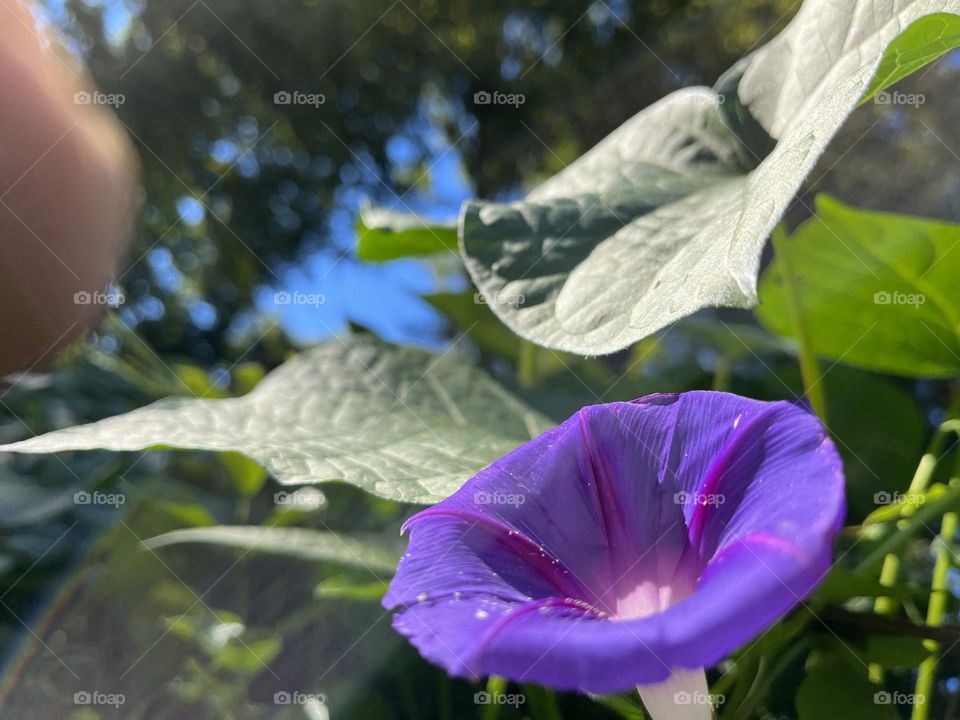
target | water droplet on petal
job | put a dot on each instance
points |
(481, 614)
(422, 597)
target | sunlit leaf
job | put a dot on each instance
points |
(390, 234)
(881, 291)
(922, 43)
(670, 212)
(398, 422)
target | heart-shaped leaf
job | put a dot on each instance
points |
(670, 212)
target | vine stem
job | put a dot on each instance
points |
(527, 367)
(722, 373)
(496, 686)
(809, 367)
(918, 485)
(939, 593)
(945, 502)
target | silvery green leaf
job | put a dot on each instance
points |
(670, 212)
(401, 423)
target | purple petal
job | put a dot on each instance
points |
(632, 540)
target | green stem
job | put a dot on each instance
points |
(887, 605)
(809, 368)
(946, 502)
(527, 372)
(928, 463)
(722, 373)
(939, 593)
(496, 686)
(918, 486)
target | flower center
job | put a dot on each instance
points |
(637, 597)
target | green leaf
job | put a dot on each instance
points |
(625, 706)
(542, 703)
(224, 637)
(468, 313)
(892, 651)
(247, 476)
(300, 543)
(337, 588)
(196, 380)
(879, 290)
(247, 657)
(921, 43)
(24, 502)
(735, 340)
(842, 584)
(877, 463)
(670, 212)
(388, 234)
(400, 423)
(834, 689)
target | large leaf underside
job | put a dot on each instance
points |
(670, 213)
(398, 422)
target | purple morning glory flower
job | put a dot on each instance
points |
(633, 545)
